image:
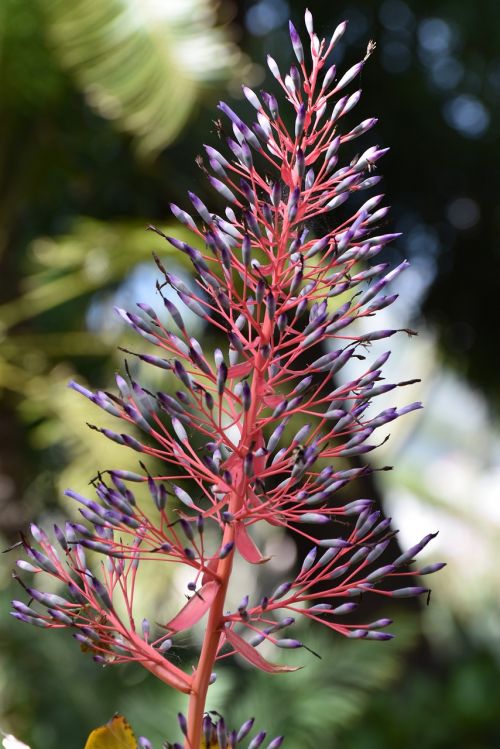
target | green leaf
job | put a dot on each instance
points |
(141, 63)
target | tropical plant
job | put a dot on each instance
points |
(219, 459)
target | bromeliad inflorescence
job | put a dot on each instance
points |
(260, 428)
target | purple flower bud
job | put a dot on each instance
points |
(329, 76)
(381, 572)
(42, 561)
(275, 743)
(345, 608)
(309, 560)
(101, 592)
(257, 740)
(430, 568)
(280, 591)
(288, 643)
(144, 743)
(299, 121)
(21, 608)
(76, 594)
(26, 566)
(226, 550)
(222, 189)
(60, 617)
(337, 201)
(182, 723)
(334, 543)
(182, 216)
(407, 556)
(351, 102)
(221, 733)
(200, 207)
(377, 551)
(183, 496)
(252, 98)
(314, 518)
(245, 729)
(221, 378)
(296, 43)
(29, 619)
(408, 592)
(365, 523)
(302, 434)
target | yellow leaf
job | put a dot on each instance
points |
(117, 734)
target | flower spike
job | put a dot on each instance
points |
(260, 429)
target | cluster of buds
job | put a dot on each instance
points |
(216, 736)
(259, 429)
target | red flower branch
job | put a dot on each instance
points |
(275, 422)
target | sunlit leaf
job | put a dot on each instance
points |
(10, 742)
(117, 734)
(142, 63)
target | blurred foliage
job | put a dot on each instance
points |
(441, 707)
(91, 93)
(141, 64)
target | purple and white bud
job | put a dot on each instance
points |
(101, 592)
(182, 216)
(329, 76)
(280, 591)
(299, 120)
(221, 733)
(183, 496)
(246, 396)
(271, 104)
(245, 729)
(334, 543)
(337, 201)
(182, 723)
(296, 43)
(377, 551)
(308, 18)
(275, 743)
(349, 76)
(222, 189)
(314, 518)
(407, 556)
(29, 619)
(21, 608)
(365, 523)
(273, 67)
(338, 34)
(381, 572)
(42, 561)
(252, 98)
(430, 568)
(248, 464)
(408, 592)
(345, 608)
(257, 741)
(309, 560)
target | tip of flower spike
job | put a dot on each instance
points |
(296, 43)
(308, 17)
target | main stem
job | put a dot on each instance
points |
(208, 654)
(213, 632)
